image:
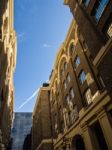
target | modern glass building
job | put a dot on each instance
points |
(21, 128)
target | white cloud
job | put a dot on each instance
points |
(47, 45)
(21, 37)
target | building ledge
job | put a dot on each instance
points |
(103, 51)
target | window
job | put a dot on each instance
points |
(62, 126)
(74, 113)
(82, 77)
(98, 136)
(86, 2)
(55, 123)
(67, 98)
(99, 8)
(71, 93)
(65, 66)
(62, 72)
(70, 119)
(88, 96)
(65, 85)
(72, 48)
(68, 78)
(66, 117)
(77, 61)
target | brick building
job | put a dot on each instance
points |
(7, 67)
(81, 106)
(94, 20)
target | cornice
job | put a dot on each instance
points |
(66, 2)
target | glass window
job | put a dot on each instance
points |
(62, 72)
(74, 113)
(67, 98)
(77, 61)
(88, 96)
(71, 93)
(82, 77)
(86, 2)
(99, 8)
(65, 66)
(65, 85)
(68, 78)
(72, 48)
(66, 117)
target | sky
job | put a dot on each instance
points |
(41, 27)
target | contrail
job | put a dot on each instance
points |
(28, 99)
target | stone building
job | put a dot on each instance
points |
(41, 129)
(7, 67)
(81, 107)
(80, 102)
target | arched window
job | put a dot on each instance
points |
(77, 61)
(65, 66)
(72, 48)
(62, 72)
(88, 96)
(82, 77)
(65, 84)
(68, 77)
(71, 93)
(67, 98)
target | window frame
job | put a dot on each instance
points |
(65, 66)
(65, 84)
(86, 2)
(77, 61)
(72, 93)
(79, 77)
(88, 96)
(99, 9)
(68, 78)
(72, 48)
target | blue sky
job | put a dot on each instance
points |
(41, 27)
